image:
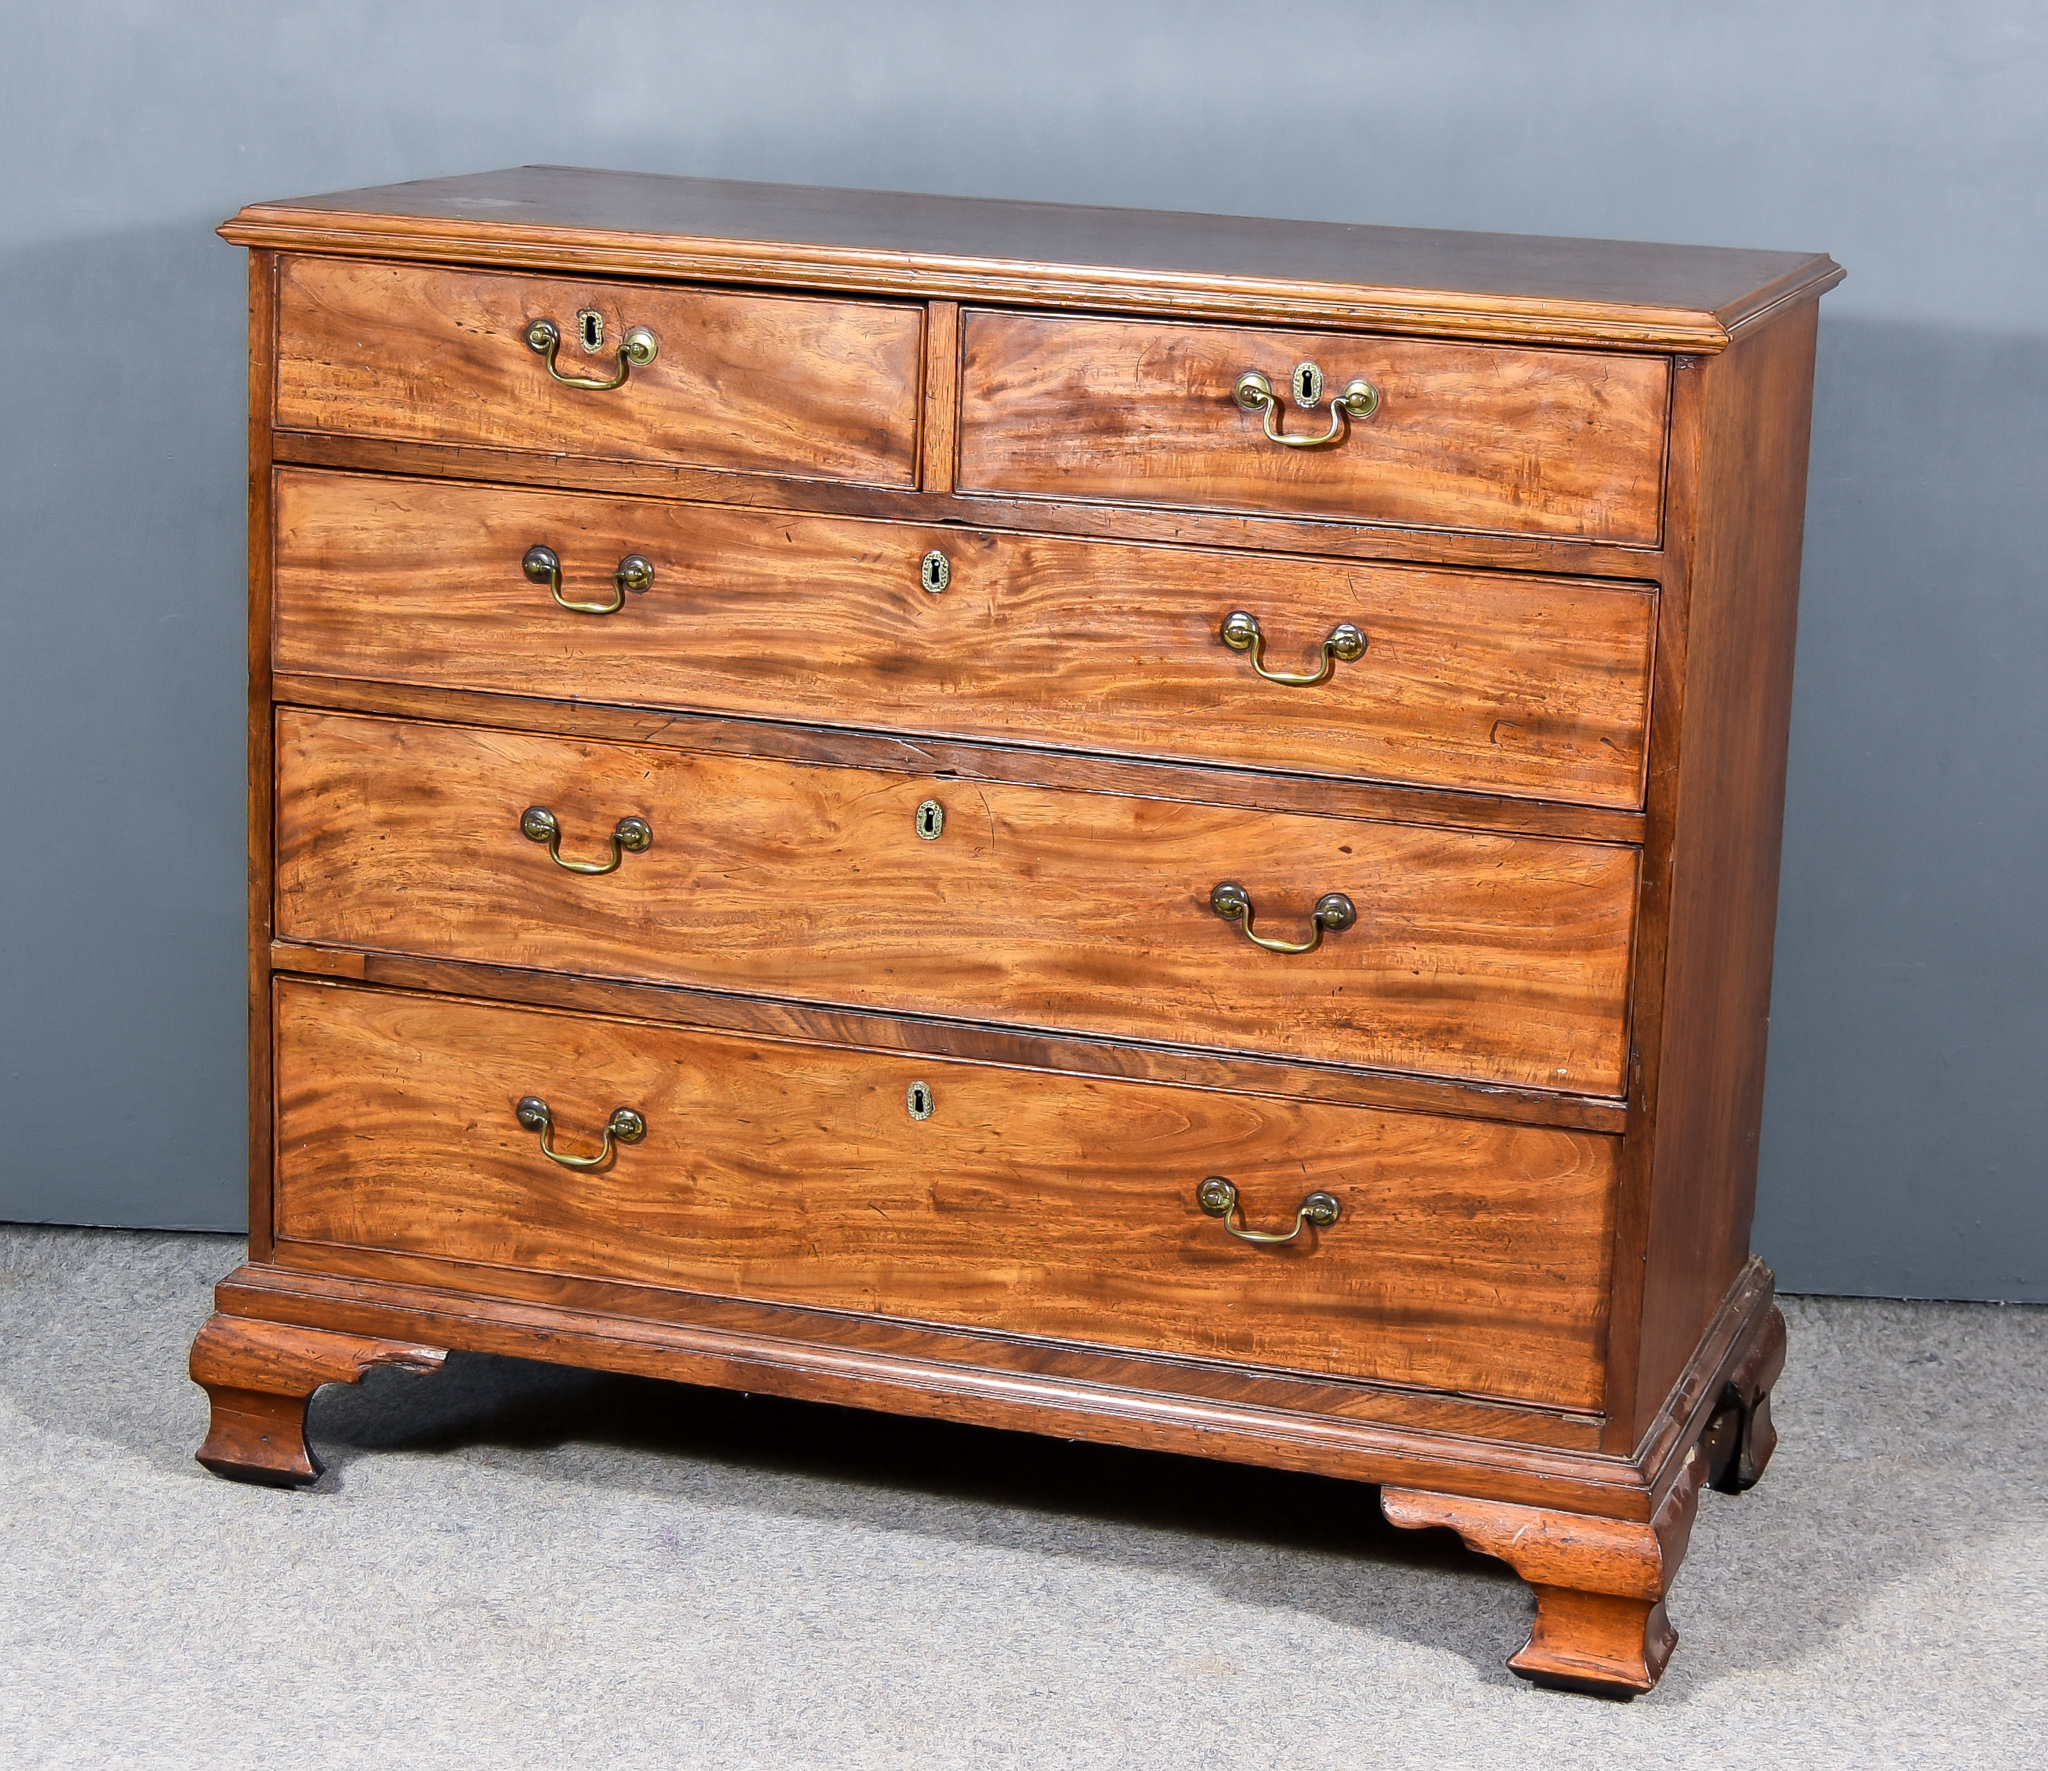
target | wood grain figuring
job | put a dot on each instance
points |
(1325, 537)
(1448, 1421)
(1531, 685)
(808, 388)
(1509, 286)
(965, 760)
(1742, 601)
(1470, 1257)
(941, 433)
(262, 850)
(866, 1362)
(1495, 958)
(1551, 785)
(1147, 1401)
(764, 1018)
(1465, 437)
(259, 1376)
(1653, 912)
(1599, 1583)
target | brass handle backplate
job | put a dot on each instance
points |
(1333, 911)
(1241, 634)
(629, 836)
(1218, 1197)
(636, 350)
(544, 566)
(1360, 399)
(625, 1126)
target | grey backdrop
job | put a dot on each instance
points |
(1907, 1112)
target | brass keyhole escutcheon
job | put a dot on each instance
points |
(590, 329)
(1308, 386)
(931, 819)
(918, 1099)
(935, 572)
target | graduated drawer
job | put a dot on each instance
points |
(1466, 1255)
(1491, 957)
(778, 384)
(1465, 436)
(1526, 684)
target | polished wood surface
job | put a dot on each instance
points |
(1326, 537)
(1494, 958)
(1511, 286)
(966, 760)
(1468, 1257)
(1702, 1093)
(1360, 1432)
(259, 1376)
(262, 733)
(940, 437)
(1466, 436)
(1551, 784)
(820, 1348)
(1472, 681)
(807, 388)
(877, 1031)
(1599, 1583)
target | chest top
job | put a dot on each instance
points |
(1510, 287)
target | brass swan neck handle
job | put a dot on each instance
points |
(625, 1126)
(629, 836)
(544, 566)
(1333, 911)
(1240, 632)
(1218, 1197)
(636, 350)
(1254, 392)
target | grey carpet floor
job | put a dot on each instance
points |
(512, 1566)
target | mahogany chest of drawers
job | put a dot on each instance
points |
(1160, 829)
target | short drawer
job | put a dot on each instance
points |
(1491, 957)
(1523, 685)
(773, 384)
(1568, 444)
(1465, 1255)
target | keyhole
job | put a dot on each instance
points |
(590, 325)
(918, 1098)
(931, 819)
(935, 572)
(1308, 384)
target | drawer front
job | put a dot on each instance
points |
(1516, 685)
(758, 383)
(1497, 958)
(1481, 437)
(1466, 1256)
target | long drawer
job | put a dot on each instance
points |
(1463, 436)
(780, 384)
(1491, 957)
(1531, 685)
(1465, 1255)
